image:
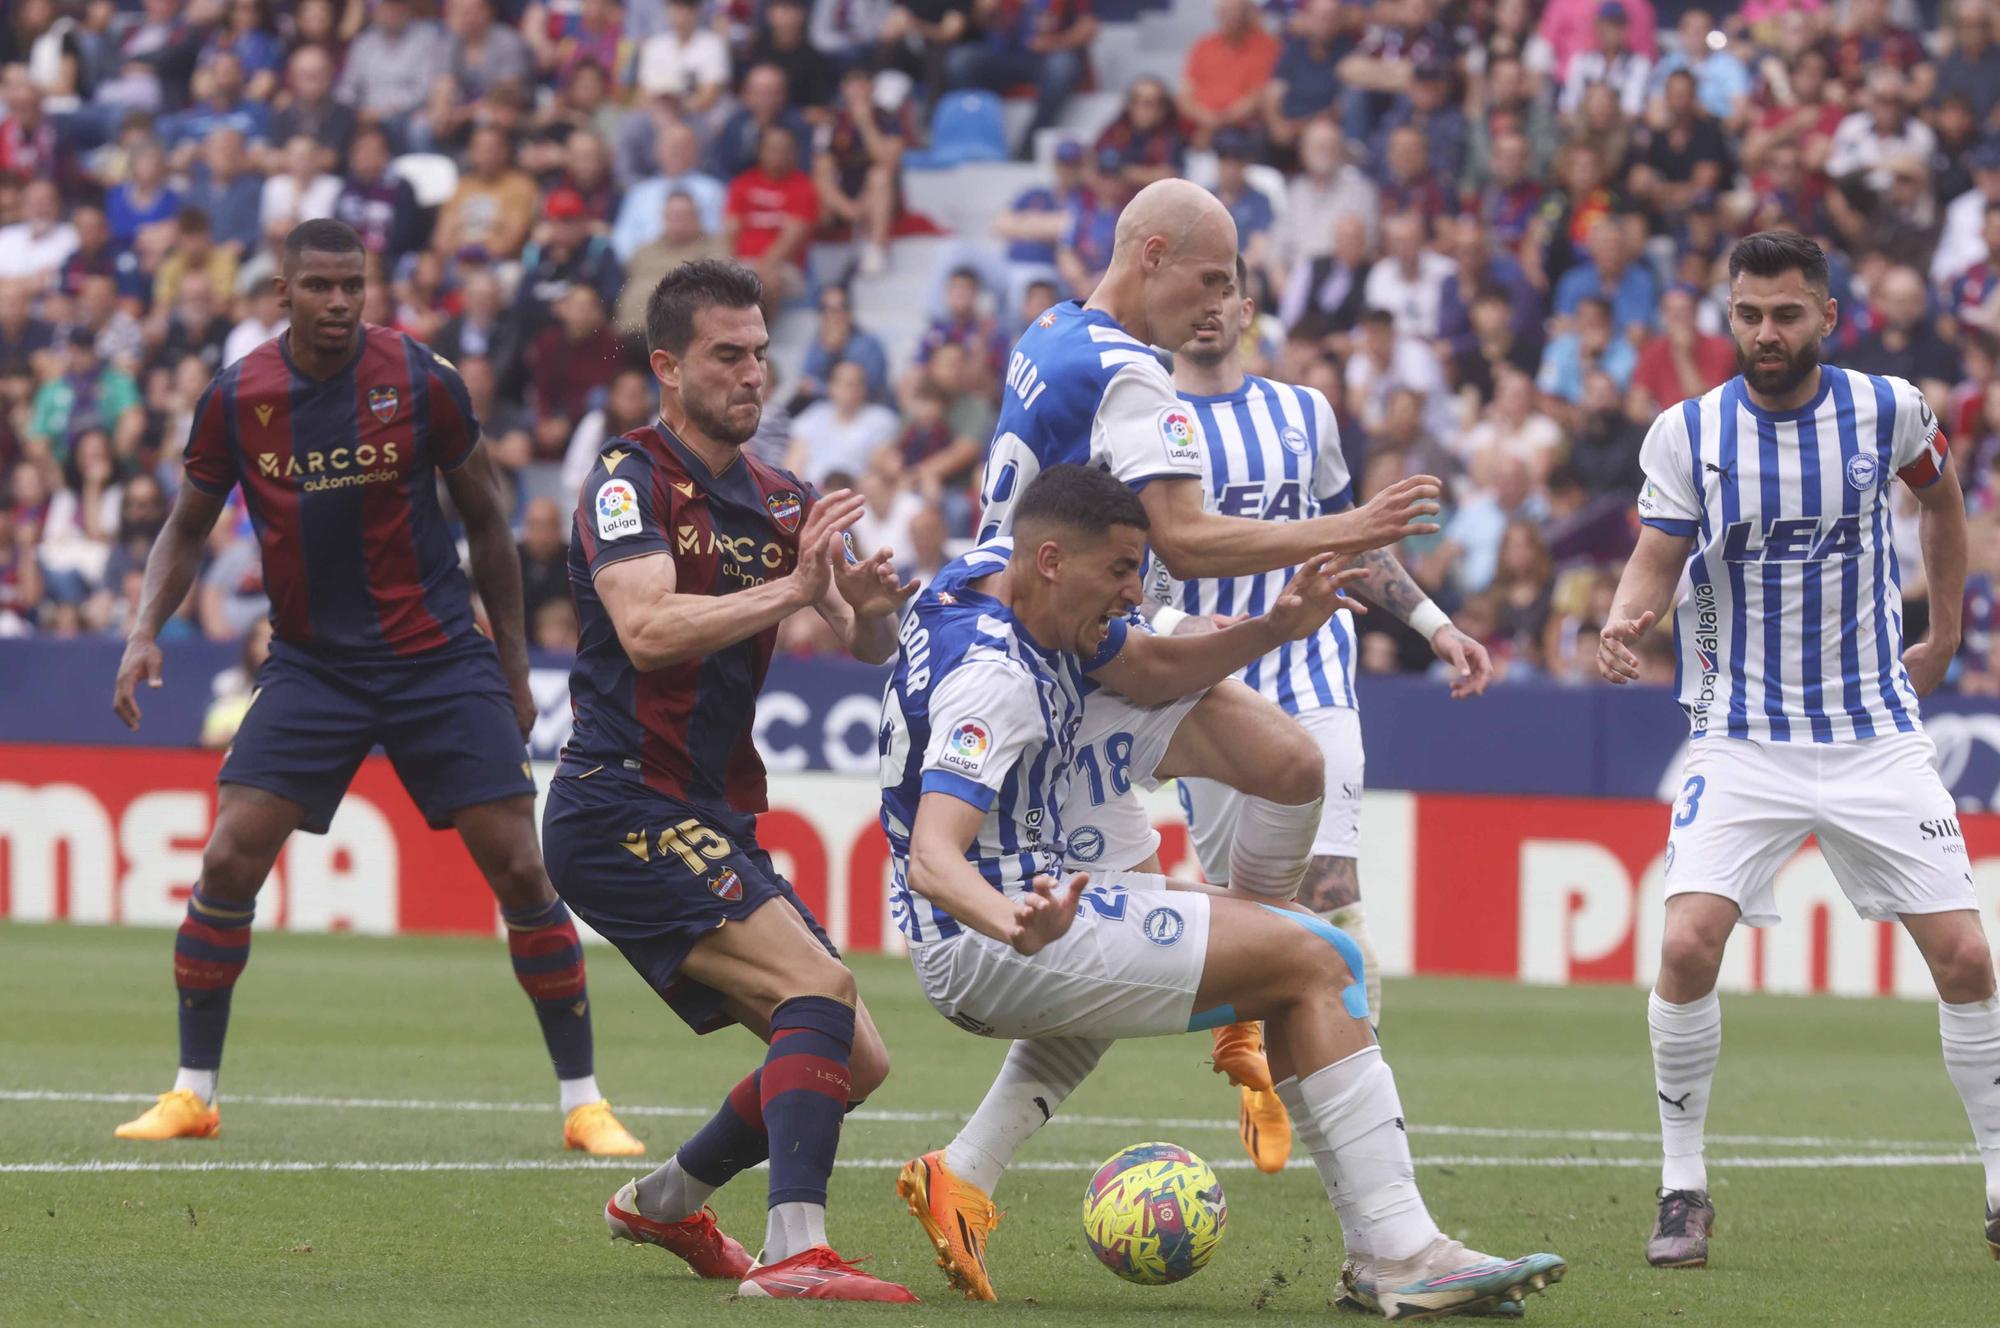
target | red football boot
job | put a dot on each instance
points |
(820, 1274)
(696, 1239)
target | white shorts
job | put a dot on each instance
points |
(1885, 821)
(1127, 967)
(1118, 749)
(1212, 808)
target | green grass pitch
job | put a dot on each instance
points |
(1841, 1158)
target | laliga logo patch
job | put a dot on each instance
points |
(617, 510)
(785, 509)
(1294, 440)
(382, 401)
(965, 749)
(1861, 472)
(1087, 844)
(1177, 432)
(1163, 926)
(726, 884)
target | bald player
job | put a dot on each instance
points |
(1084, 386)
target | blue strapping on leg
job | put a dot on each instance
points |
(1213, 1017)
(1354, 995)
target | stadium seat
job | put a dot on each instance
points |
(965, 127)
(433, 176)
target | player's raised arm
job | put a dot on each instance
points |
(865, 598)
(1194, 542)
(1152, 669)
(659, 627)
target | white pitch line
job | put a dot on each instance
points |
(1217, 1122)
(1830, 1161)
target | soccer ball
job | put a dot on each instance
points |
(1154, 1213)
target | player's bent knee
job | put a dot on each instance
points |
(1298, 769)
(868, 1067)
(231, 871)
(1331, 958)
(1688, 949)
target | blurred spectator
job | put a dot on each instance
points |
(1409, 184)
(223, 186)
(1971, 67)
(840, 338)
(1402, 35)
(192, 249)
(1409, 280)
(222, 104)
(493, 207)
(857, 168)
(1907, 343)
(231, 599)
(235, 688)
(23, 336)
(485, 53)
(1468, 556)
(120, 340)
(571, 363)
(1968, 296)
(481, 327)
(783, 43)
(1303, 84)
(1611, 61)
(1425, 107)
(1510, 199)
(311, 111)
(1511, 429)
(88, 394)
(1591, 343)
(939, 465)
(682, 240)
(631, 404)
(194, 325)
(1044, 44)
(1571, 27)
(554, 627)
(843, 431)
(1324, 296)
(1478, 266)
(846, 31)
(688, 62)
(97, 255)
(891, 510)
(641, 215)
(544, 549)
(773, 439)
(918, 37)
(1384, 363)
(1678, 362)
(298, 190)
(1496, 342)
(1681, 155)
(262, 320)
(1327, 188)
(1604, 450)
(770, 215)
(144, 198)
(390, 65)
(566, 34)
(763, 103)
(1228, 70)
(29, 145)
(1802, 108)
(1613, 273)
(1033, 223)
(1882, 129)
(20, 574)
(1084, 251)
(1147, 138)
(965, 324)
(1868, 41)
(376, 202)
(567, 253)
(1723, 81)
(1249, 207)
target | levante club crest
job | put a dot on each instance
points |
(383, 401)
(785, 508)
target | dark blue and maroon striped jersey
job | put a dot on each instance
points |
(340, 478)
(684, 730)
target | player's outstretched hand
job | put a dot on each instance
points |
(1316, 593)
(1927, 665)
(870, 587)
(1197, 624)
(1471, 666)
(1401, 510)
(1041, 918)
(142, 660)
(832, 514)
(1615, 660)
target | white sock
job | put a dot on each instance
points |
(1033, 1081)
(1352, 1231)
(1354, 921)
(793, 1228)
(1272, 846)
(1687, 1040)
(670, 1194)
(578, 1092)
(1971, 1035)
(1360, 1117)
(201, 1081)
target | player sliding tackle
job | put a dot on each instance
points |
(1083, 386)
(980, 722)
(1771, 495)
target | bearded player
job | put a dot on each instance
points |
(337, 431)
(1770, 495)
(687, 553)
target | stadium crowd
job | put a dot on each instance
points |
(1491, 232)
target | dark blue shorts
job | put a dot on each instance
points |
(654, 875)
(445, 717)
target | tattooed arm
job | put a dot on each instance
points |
(1391, 588)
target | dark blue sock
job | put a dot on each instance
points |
(733, 1140)
(548, 963)
(210, 951)
(804, 1090)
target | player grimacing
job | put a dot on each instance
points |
(1771, 494)
(336, 431)
(980, 723)
(687, 552)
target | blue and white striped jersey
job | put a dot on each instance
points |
(1792, 627)
(977, 709)
(1271, 452)
(1082, 390)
